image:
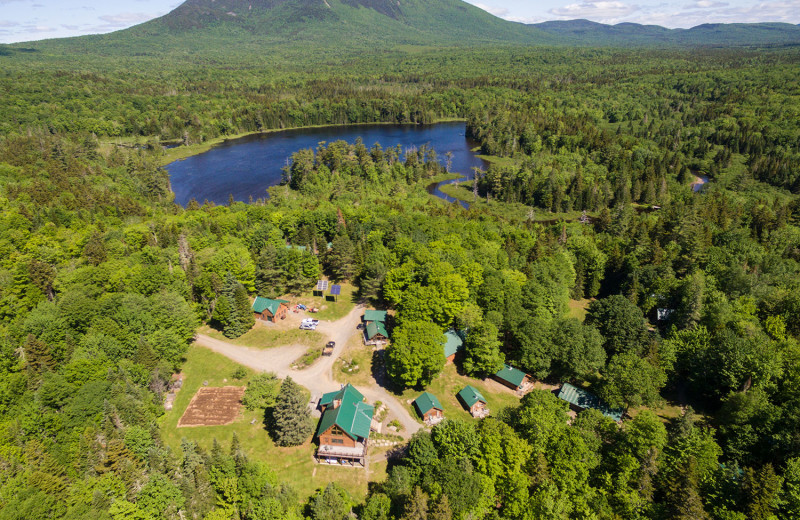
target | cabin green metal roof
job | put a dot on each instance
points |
(262, 304)
(426, 402)
(470, 396)
(585, 399)
(373, 315)
(511, 375)
(454, 342)
(374, 328)
(353, 415)
(347, 393)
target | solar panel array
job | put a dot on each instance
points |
(336, 290)
(322, 285)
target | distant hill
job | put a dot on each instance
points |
(586, 32)
(327, 29)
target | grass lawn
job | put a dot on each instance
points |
(292, 465)
(450, 382)
(577, 308)
(328, 310)
(265, 336)
(354, 366)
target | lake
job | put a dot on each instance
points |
(246, 167)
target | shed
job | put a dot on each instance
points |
(580, 399)
(473, 401)
(429, 407)
(512, 377)
(454, 343)
(266, 309)
(373, 315)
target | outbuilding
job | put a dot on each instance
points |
(453, 344)
(580, 399)
(429, 408)
(266, 309)
(473, 401)
(513, 378)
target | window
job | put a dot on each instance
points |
(336, 431)
(337, 441)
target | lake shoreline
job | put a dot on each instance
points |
(182, 152)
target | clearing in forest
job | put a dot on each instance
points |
(213, 406)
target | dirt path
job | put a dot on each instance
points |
(318, 378)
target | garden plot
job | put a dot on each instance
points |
(213, 407)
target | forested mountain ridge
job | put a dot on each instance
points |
(309, 27)
(586, 32)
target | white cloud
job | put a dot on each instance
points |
(706, 4)
(8, 23)
(501, 12)
(601, 11)
(123, 19)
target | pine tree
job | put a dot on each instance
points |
(37, 357)
(291, 420)
(341, 257)
(417, 506)
(441, 510)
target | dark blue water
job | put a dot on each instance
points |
(246, 167)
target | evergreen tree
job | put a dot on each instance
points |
(441, 510)
(291, 420)
(38, 358)
(417, 506)
(341, 257)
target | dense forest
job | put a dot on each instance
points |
(695, 295)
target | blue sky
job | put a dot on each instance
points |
(26, 20)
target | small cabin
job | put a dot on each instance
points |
(473, 401)
(580, 399)
(266, 309)
(429, 408)
(513, 378)
(375, 333)
(453, 344)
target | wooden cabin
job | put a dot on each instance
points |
(513, 378)
(344, 428)
(429, 408)
(453, 344)
(266, 309)
(580, 399)
(473, 401)
(375, 333)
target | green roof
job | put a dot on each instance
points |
(346, 393)
(470, 396)
(374, 328)
(511, 375)
(454, 342)
(262, 304)
(426, 402)
(585, 399)
(373, 315)
(353, 415)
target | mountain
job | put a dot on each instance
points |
(586, 32)
(335, 29)
(326, 24)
